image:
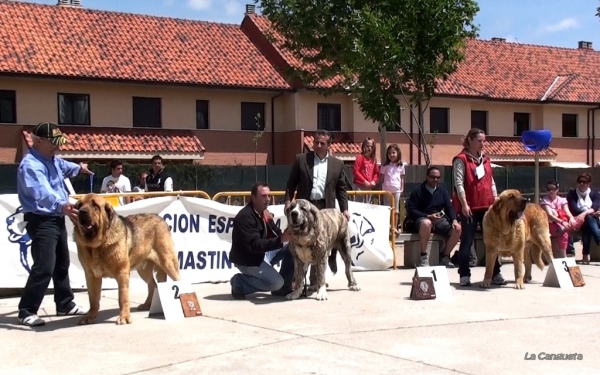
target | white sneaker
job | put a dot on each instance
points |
(465, 281)
(76, 310)
(32, 321)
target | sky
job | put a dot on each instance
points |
(560, 23)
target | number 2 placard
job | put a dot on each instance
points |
(441, 283)
(166, 299)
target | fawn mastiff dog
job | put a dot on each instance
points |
(314, 234)
(109, 245)
(514, 227)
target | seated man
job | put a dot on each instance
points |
(430, 208)
(254, 234)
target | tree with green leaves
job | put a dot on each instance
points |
(375, 50)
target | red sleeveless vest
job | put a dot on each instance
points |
(478, 193)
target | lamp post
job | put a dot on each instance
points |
(536, 141)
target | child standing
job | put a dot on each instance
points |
(392, 176)
(366, 169)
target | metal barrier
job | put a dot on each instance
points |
(113, 198)
(238, 197)
(233, 198)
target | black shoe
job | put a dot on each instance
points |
(282, 292)
(237, 295)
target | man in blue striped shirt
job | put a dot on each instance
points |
(45, 201)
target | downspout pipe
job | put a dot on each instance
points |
(411, 136)
(589, 141)
(273, 126)
(594, 136)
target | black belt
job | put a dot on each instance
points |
(315, 201)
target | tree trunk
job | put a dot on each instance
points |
(383, 143)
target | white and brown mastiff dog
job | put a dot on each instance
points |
(316, 237)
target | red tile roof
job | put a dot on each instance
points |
(512, 148)
(340, 145)
(505, 70)
(121, 140)
(62, 41)
(514, 71)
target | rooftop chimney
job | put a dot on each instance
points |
(250, 8)
(69, 3)
(585, 45)
(498, 39)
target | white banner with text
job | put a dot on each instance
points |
(201, 230)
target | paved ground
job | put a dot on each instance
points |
(377, 330)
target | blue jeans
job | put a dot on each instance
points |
(265, 278)
(467, 236)
(590, 229)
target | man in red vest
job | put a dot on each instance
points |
(474, 192)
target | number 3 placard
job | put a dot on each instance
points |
(441, 283)
(559, 274)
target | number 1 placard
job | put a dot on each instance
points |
(441, 283)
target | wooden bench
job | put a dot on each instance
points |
(412, 248)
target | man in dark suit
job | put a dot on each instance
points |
(319, 178)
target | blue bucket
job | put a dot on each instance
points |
(536, 140)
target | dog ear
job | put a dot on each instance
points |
(110, 212)
(496, 206)
(314, 211)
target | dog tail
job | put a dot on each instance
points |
(332, 261)
(536, 254)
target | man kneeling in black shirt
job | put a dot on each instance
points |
(254, 234)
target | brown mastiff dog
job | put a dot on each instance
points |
(514, 227)
(110, 245)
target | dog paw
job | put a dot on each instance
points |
(88, 319)
(485, 283)
(143, 307)
(322, 294)
(519, 286)
(294, 295)
(354, 288)
(124, 319)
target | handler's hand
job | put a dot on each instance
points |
(70, 211)
(286, 236)
(346, 215)
(466, 210)
(433, 218)
(84, 168)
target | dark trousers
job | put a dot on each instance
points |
(321, 203)
(467, 236)
(590, 230)
(50, 253)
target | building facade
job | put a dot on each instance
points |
(131, 86)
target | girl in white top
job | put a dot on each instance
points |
(392, 178)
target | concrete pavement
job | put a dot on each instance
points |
(377, 330)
